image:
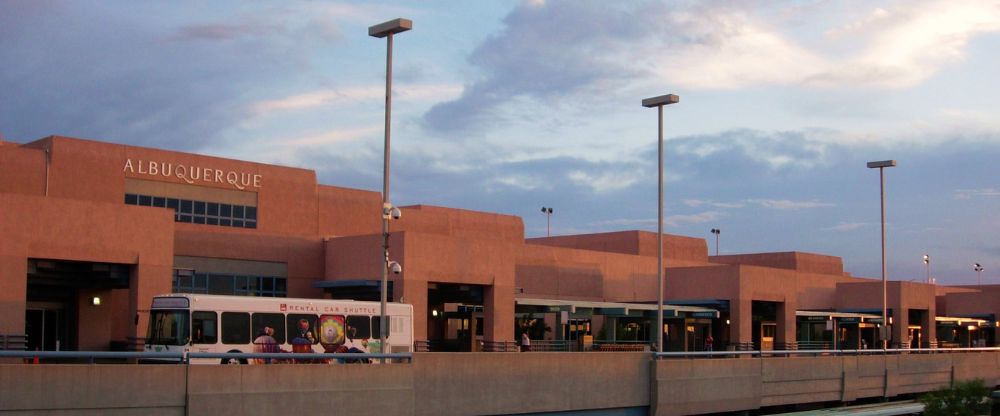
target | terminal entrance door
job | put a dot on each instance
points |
(869, 335)
(52, 298)
(914, 337)
(47, 326)
(455, 321)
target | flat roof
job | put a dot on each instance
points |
(584, 304)
(960, 320)
(834, 314)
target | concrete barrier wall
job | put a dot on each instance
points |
(864, 377)
(683, 387)
(285, 389)
(504, 383)
(479, 383)
(916, 373)
(975, 365)
(801, 380)
(92, 389)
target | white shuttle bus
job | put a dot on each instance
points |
(213, 323)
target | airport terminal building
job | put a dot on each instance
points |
(91, 231)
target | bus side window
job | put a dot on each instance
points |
(235, 328)
(376, 329)
(203, 328)
(273, 320)
(302, 326)
(358, 327)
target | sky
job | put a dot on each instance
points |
(509, 106)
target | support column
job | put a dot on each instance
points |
(928, 327)
(560, 326)
(147, 281)
(498, 308)
(741, 323)
(415, 293)
(13, 293)
(900, 330)
(785, 319)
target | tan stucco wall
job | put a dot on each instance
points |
(642, 243)
(496, 383)
(791, 260)
(64, 229)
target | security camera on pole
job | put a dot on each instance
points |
(387, 30)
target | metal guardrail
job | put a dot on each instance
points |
(13, 342)
(180, 357)
(301, 357)
(91, 356)
(815, 345)
(798, 353)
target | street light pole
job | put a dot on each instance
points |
(927, 265)
(979, 272)
(387, 30)
(881, 165)
(548, 220)
(659, 102)
(716, 231)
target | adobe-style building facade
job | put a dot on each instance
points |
(85, 220)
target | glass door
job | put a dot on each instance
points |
(47, 327)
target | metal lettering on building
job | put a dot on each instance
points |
(193, 174)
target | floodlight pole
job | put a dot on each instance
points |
(881, 165)
(659, 102)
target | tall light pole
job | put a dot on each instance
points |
(927, 266)
(716, 231)
(881, 165)
(659, 102)
(979, 271)
(387, 30)
(548, 220)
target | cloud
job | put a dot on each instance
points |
(785, 204)
(846, 226)
(975, 193)
(670, 221)
(529, 59)
(700, 218)
(345, 96)
(523, 182)
(731, 50)
(695, 203)
(910, 42)
(611, 51)
(99, 72)
(223, 32)
(604, 181)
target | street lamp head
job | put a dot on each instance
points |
(546, 210)
(882, 164)
(661, 100)
(927, 259)
(716, 231)
(382, 30)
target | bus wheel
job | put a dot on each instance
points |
(235, 361)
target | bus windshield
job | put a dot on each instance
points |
(168, 327)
